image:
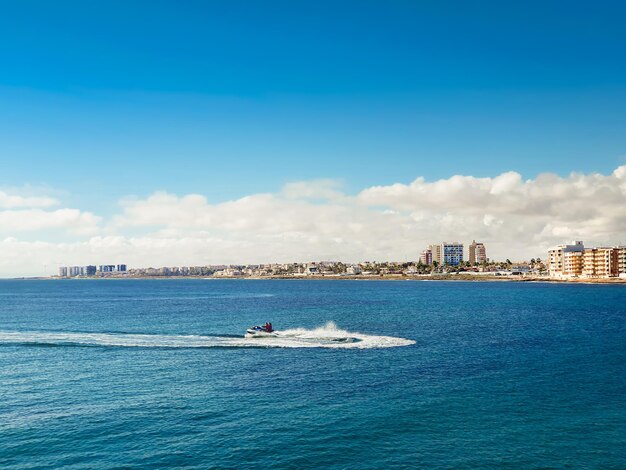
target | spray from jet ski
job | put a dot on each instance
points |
(326, 336)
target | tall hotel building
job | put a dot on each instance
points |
(477, 253)
(452, 253)
(435, 253)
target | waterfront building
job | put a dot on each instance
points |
(452, 253)
(435, 251)
(312, 270)
(76, 271)
(426, 257)
(121, 268)
(63, 271)
(600, 262)
(621, 260)
(572, 263)
(90, 270)
(566, 260)
(520, 269)
(107, 268)
(477, 253)
(354, 269)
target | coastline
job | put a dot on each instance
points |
(360, 277)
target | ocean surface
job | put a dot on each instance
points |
(364, 374)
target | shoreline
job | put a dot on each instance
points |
(426, 278)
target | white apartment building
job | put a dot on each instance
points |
(354, 269)
(566, 260)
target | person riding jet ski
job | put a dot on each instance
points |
(260, 331)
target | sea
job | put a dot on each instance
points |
(113, 374)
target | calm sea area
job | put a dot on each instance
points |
(106, 374)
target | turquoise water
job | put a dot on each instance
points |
(147, 374)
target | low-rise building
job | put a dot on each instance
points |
(520, 269)
(354, 269)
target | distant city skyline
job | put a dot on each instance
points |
(220, 134)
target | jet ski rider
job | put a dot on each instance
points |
(268, 327)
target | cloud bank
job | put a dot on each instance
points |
(312, 220)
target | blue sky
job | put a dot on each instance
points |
(102, 100)
(228, 98)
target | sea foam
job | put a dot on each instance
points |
(327, 336)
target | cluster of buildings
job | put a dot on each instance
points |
(575, 260)
(564, 261)
(92, 270)
(254, 270)
(451, 254)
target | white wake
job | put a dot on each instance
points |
(327, 336)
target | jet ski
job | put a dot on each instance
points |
(260, 332)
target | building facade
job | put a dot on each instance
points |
(435, 252)
(426, 257)
(575, 260)
(566, 260)
(600, 262)
(621, 261)
(76, 271)
(452, 253)
(477, 253)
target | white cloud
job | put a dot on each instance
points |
(10, 201)
(314, 189)
(72, 221)
(516, 218)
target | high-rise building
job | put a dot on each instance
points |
(76, 271)
(426, 257)
(90, 270)
(435, 251)
(121, 268)
(600, 262)
(477, 253)
(63, 271)
(566, 260)
(452, 253)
